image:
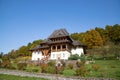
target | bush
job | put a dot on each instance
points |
(33, 68)
(50, 70)
(117, 74)
(82, 71)
(95, 67)
(113, 66)
(104, 74)
(70, 65)
(6, 64)
(51, 63)
(68, 72)
(63, 63)
(83, 58)
(74, 57)
(79, 64)
(22, 66)
(43, 67)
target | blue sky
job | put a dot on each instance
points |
(23, 21)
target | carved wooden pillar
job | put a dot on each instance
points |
(61, 47)
(56, 47)
(51, 48)
(66, 46)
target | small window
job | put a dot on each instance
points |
(63, 46)
(53, 55)
(58, 47)
(63, 54)
(53, 47)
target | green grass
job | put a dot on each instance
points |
(108, 69)
(12, 77)
(68, 72)
(33, 68)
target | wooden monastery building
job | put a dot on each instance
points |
(58, 45)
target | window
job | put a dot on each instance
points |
(53, 47)
(58, 47)
(53, 55)
(64, 46)
(63, 55)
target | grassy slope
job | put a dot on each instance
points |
(12, 77)
(107, 69)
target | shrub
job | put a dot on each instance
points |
(50, 69)
(83, 58)
(0, 62)
(33, 68)
(104, 74)
(74, 57)
(68, 72)
(95, 67)
(51, 63)
(43, 67)
(22, 66)
(113, 66)
(117, 74)
(6, 64)
(78, 64)
(70, 65)
(63, 63)
(82, 71)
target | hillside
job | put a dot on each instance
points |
(102, 39)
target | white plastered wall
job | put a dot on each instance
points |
(78, 50)
(37, 55)
(62, 55)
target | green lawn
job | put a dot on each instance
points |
(107, 69)
(12, 77)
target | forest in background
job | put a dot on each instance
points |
(102, 41)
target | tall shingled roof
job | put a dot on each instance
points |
(56, 34)
(59, 33)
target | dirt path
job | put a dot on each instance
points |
(42, 75)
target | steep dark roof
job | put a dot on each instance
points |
(61, 41)
(77, 43)
(35, 48)
(46, 41)
(39, 47)
(59, 33)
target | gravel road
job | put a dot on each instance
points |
(48, 76)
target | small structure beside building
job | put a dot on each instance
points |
(58, 45)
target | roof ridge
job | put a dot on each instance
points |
(61, 31)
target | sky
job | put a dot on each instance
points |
(23, 21)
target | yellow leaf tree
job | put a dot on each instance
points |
(93, 39)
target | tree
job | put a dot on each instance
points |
(1, 54)
(93, 39)
(115, 50)
(102, 33)
(78, 36)
(75, 36)
(116, 33)
(12, 54)
(22, 51)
